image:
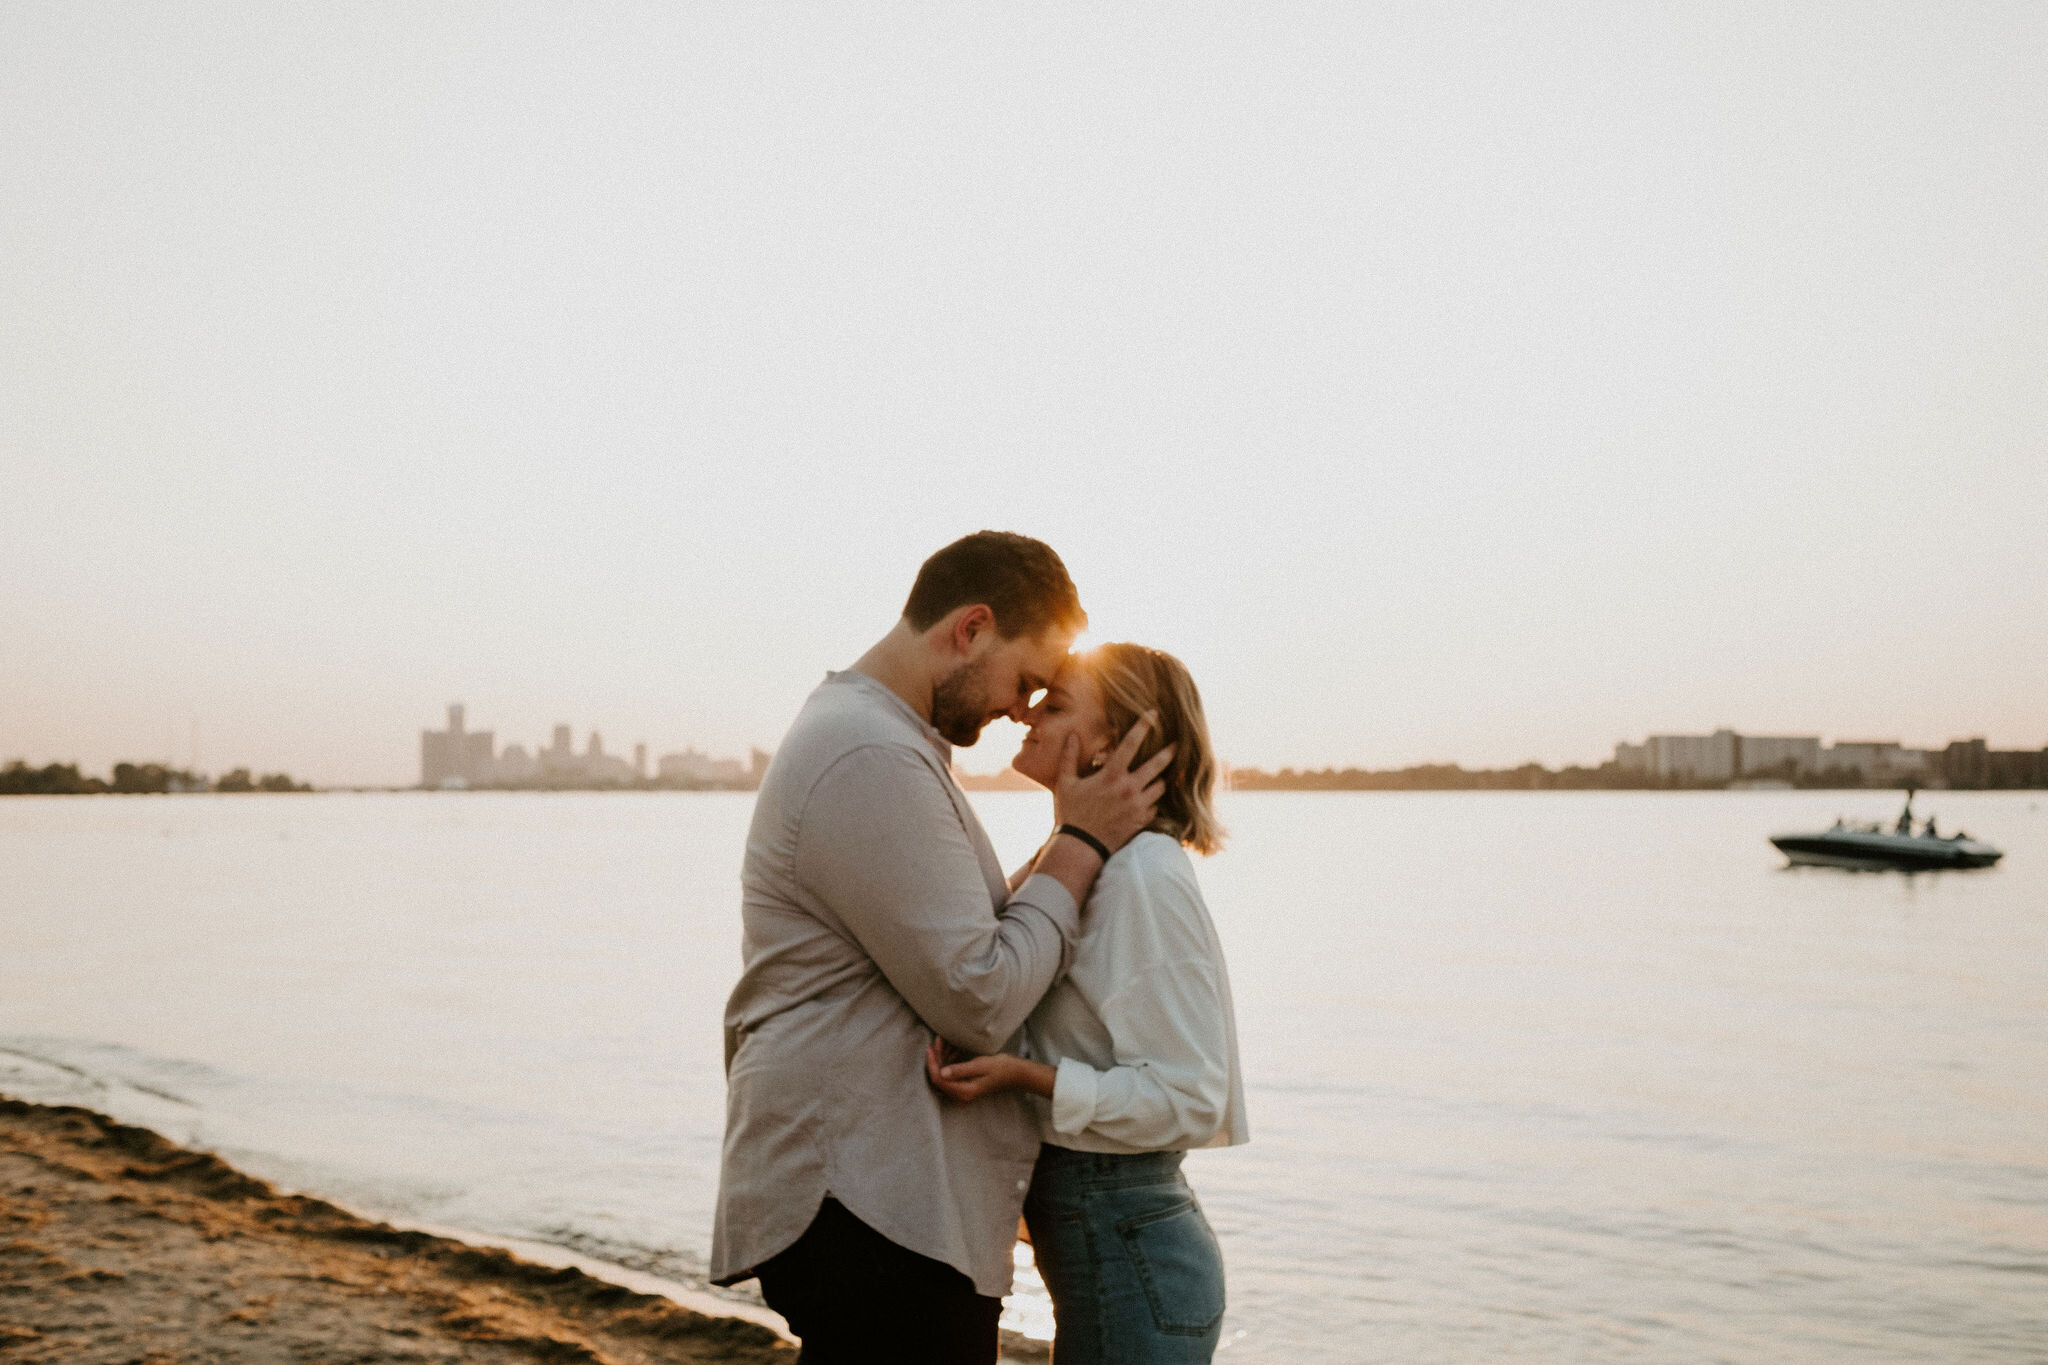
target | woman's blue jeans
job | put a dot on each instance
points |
(1135, 1274)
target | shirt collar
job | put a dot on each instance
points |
(853, 677)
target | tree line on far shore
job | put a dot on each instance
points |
(1436, 777)
(137, 779)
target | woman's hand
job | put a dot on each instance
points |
(967, 1081)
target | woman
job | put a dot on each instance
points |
(1135, 1048)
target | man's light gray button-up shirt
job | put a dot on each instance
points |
(875, 913)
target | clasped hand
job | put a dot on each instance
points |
(964, 1078)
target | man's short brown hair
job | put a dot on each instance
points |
(1020, 579)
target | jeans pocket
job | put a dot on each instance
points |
(1180, 1266)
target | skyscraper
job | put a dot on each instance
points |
(455, 757)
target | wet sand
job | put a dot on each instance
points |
(118, 1247)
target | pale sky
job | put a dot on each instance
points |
(1473, 383)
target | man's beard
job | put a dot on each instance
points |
(960, 704)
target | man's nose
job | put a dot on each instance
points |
(1019, 708)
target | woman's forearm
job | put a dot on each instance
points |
(1036, 1077)
(1148, 1107)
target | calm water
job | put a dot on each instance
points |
(1545, 1077)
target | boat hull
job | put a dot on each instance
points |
(1882, 852)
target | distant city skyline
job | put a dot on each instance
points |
(472, 757)
(1473, 383)
(459, 757)
(1716, 754)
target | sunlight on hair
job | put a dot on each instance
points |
(1135, 681)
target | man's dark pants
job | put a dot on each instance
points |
(852, 1297)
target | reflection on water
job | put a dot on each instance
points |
(1543, 1077)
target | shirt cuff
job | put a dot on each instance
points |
(1073, 1096)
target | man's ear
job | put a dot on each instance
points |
(973, 623)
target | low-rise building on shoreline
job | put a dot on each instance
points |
(1727, 756)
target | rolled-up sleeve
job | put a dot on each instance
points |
(880, 843)
(1170, 1087)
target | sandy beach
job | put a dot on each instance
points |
(119, 1246)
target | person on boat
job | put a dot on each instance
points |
(1929, 831)
(1133, 1052)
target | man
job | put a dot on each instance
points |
(879, 1217)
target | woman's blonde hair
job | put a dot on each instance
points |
(1134, 680)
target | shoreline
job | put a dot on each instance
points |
(118, 1245)
(554, 1257)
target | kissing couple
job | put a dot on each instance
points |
(921, 1048)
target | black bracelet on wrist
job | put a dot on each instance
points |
(1101, 849)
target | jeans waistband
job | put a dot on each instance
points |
(1117, 1166)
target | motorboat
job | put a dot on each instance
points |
(1874, 848)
